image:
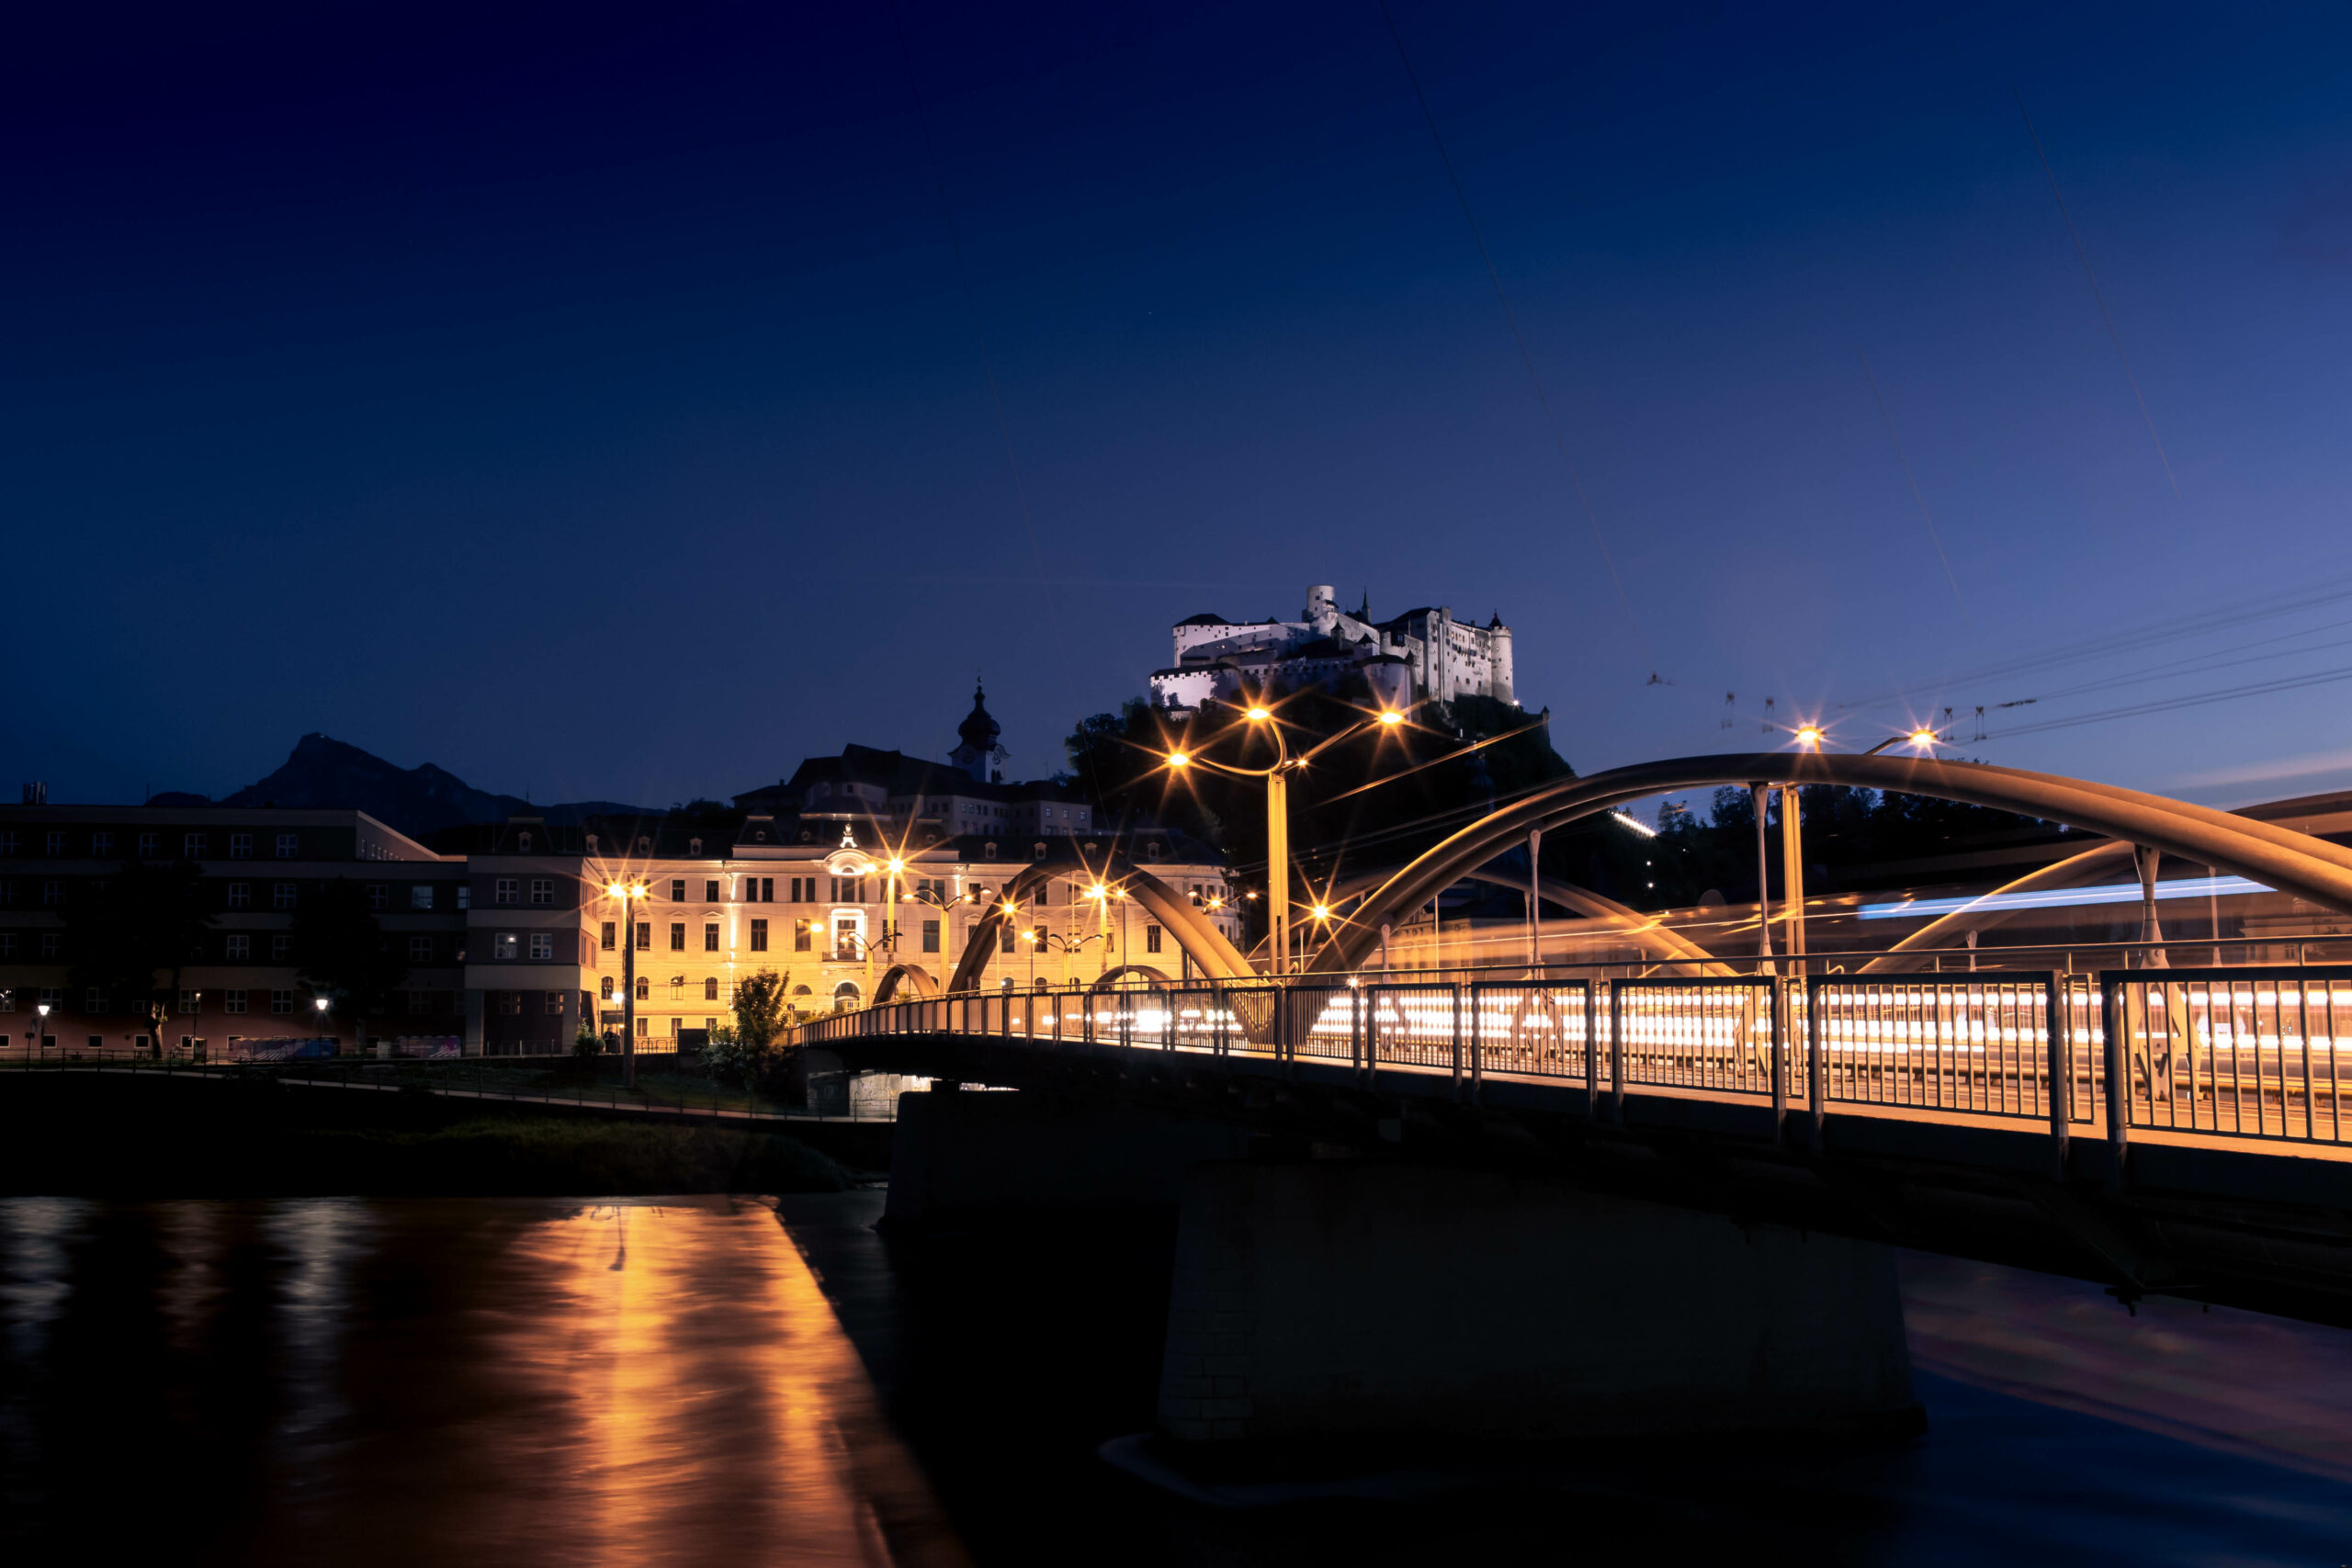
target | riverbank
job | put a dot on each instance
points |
(101, 1136)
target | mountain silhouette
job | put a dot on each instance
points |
(327, 773)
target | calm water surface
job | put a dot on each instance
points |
(522, 1380)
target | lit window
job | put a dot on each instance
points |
(555, 1002)
(421, 895)
(505, 945)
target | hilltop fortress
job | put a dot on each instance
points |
(1423, 653)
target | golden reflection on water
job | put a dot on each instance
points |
(508, 1381)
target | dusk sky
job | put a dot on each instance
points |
(587, 400)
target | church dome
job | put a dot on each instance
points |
(979, 729)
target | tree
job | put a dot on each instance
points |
(345, 953)
(759, 1012)
(133, 935)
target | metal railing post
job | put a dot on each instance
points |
(1779, 1005)
(1477, 1045)
(2112, 1026)
(1616, 1056)
(1816, 1070)
(1591, 1049)
(1453, 995)
(2060, 1090)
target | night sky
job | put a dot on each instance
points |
(587, 399)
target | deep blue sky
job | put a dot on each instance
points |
(587, 403)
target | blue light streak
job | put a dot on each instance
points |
(2063, 898)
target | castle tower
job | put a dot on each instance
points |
(1322, 608)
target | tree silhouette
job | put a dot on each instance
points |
(132, 936)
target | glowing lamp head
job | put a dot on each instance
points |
(1392, 719)
(1809, 736)
(1259, 714)
(1177, 760)
(1923, 737)
(613, 889)
(321, 1004)
(1322, 912)
(897, 867)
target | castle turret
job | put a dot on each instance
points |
(978, 754)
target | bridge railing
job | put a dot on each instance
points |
(2230, 1053)
(2242, 1053)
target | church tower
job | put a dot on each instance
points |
(977, 753)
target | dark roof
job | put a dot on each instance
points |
(1205, 618)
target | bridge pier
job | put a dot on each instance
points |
(1345, 1299)
(965, 1152)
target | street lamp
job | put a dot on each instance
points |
(1277, 783)
(943, 903)
(41, 1029)
(629, 894)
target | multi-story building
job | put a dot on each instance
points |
(1420, 655)
(258, 870)
(513, 941)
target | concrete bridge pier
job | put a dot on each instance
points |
(1346, 1299)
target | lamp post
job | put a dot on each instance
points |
(1277, 782)
(318, 1002)
(629, 892)
(944, 904)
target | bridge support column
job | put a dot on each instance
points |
(974, 1151)
(1343, 1299)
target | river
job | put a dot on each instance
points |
(714, 1382)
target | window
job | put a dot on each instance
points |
(419, 1003)
(849, 889)
(380, 897)
(7, 843)
(102, 846)
(192, 846)
(510, 1003)
(543, 890)
(759, 936)
(421, 895)
(604, 988)
(522, 842)
(1007, 933)
(644, 1027)
(505, 945)
(1151, 939)
(232, 1000)
(189, 1002)
(677, 936)
(678, 890)
(644, 989)
(1039, 848)
(53, 894)
(281, 949)
(800, 890)
(710, 892)
(931, 936)
(56, 846)
(767, 889)
(48, 944)
(543, 945)
(287, 843)
(240, 948)
(710, 989)
(845, 941)
(93, 1000)
(645, 936)
(281, 895)
(241, 846)
(419, 950)
(800, 936)
(555, 1002)
(8, 893)
(281, 1002)
(241, 895)
(608, 936)
(151, 846)
(988, 848)
(465, 896)
(710, 936)
(506, 890)
(8, 950)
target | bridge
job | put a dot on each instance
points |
(1655, 1193)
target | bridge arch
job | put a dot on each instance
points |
(1195, 933)
(2293, 863)
(1110, 979)
(908, 978)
